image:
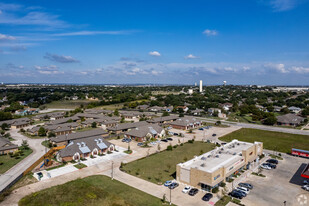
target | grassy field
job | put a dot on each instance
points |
(120, 105)
(9, 162)
(67, 104)
(93, 190)
(281, 142)
(160, 167)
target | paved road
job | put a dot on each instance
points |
(14, 172)
(261, 127)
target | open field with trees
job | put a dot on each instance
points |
(68, 104)
(160, 167)
(7, 161)
(281, 142)
(93, 190)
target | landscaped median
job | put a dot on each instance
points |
(277, 141)
(160, 167)
(93, 190)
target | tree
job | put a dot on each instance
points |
(42, 131)
(271, 120)
(25, 145)
(181, 115)
(305, 111)
(122, 120)
(4, 126)
(285, 110)
(51, 134)
(116, 112)
(94, 125)
(165, 113)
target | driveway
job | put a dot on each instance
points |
(18, 169)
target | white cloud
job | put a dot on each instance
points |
(90, 33)
(154, 53)
(209, 32)
(60, 58)
(283, 5)
(300, 70)
(278, 67)
(6, 37)
(52, 69)
(191, 56)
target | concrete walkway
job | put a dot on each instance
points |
(18, 169)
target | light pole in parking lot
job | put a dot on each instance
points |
(112, 174)
(284, 202)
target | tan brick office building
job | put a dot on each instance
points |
(208, 170)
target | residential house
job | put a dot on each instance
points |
(295, 110)
(85, 147)
(226, 106)
(66, 139)
(186, 123)
(145, 132)
(155, 109)
(17, 123)
(197, 112)
(142, 107)
(163, 120)
(184, 108)
(6, 146)
(120, 128)
(211, 111)
(290, 119)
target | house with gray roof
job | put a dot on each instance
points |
(290, 120)
(6, 146)
(295, 110)
(145, 132)
(85, 147)
(186, 123)
(17, 123)
(120, 128)
(163, 120)
(66, 139)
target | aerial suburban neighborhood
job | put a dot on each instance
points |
(154, 103)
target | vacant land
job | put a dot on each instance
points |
(94, 190)
(68, 104)
(278, 141)
(160, 167)
(8, 162)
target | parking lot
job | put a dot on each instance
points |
(279, 185)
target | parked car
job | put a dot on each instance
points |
(241, 192)
(173, 185)
(246, 185)
(306, 182)
(169, 128)
(272, 161)
(140, 144)
(244, 189)
(214, 135)
(186, 189)
(272, 166)
(305, 187)
(126, 140)
(236, 194)
(207, 197)
(265, 167)
(164, 140)
(201, 129)
(167, 183)
(169, 139)
(176, 134)
(193, 191)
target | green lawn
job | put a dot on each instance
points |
(9, 162)
(68, 104)
(160, 167)
(80, 166)
(223, 201)
(91, 191)
(281, 142)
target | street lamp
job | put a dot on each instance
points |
(170, 195)
(284, 202)
(112, 174)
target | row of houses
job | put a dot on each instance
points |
(17, 123)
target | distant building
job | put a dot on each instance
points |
(295, 110)
(190, 91)
(201, 86)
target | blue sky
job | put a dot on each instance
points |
(168, 41)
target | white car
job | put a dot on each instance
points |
(186, 189)
(305, 187)
(245, 190)
(265, 167)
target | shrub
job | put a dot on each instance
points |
(190, 141)
(181, 144)
(222, 184)
(215, 190)
(175, 146)
(169, 148)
